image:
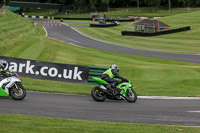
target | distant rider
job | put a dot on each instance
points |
(3, 65)
(110, 74)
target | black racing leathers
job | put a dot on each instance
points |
(5, 74)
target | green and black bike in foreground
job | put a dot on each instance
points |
(102, 91)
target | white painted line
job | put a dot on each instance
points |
(89, 37)
(193, 111)
(191, 54)
(45, 31)
(85, 35)
(156, 17)
(168, 97)
(65, 24)
(66, 38)
(72, 40)
(74, 45)
(141, 97)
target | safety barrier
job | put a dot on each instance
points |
(104, 25)
(130, 33)
(48, 70)
(54, 71)
(41, 17)
(120, 19)
(96, 19)
(95, 72)
(71, 18)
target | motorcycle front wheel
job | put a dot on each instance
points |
(98, 95)
(131, 96)
(17, 92)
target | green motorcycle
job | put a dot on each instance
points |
(11, 86)
(124, 90)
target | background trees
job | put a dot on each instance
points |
(105, 5)
(153, 3)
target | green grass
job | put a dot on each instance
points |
(182, 42)
(146, 11)
(119, 12)
(18, 35)
(150, 76)
(77, 24)
(31, 124)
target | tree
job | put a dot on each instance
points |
(153, 3)
(107, 2)
(195, 2)
(133, 2)
(138, 5)
(169, 5)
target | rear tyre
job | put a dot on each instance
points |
(131, 96)
(98, 95)
(18, 93)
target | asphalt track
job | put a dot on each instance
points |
(154, 111)
(167, 111)
(68, 34)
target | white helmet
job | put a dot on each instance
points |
(3, 64)
(113, 66)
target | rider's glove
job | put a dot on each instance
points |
(9, 74)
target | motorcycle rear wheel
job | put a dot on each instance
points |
(18, 93)
(98, 95)
(131, 96)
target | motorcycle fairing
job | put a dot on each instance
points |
(3, 93)
(124, 87)
(99, 81)
(10, 82)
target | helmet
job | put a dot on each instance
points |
(3, 64)
(113, 66)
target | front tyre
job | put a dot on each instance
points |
(17, 92)
(131, 96)
(98, 95)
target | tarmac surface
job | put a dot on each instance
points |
(167, 111)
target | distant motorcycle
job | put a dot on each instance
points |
(101, 92)
(12, 87)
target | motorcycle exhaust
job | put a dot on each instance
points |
(102, 87)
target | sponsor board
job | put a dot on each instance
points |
(48, 70)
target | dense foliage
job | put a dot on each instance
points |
(102, 5)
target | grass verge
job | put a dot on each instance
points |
(26, 124)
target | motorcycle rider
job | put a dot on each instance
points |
(110, 74)
(3, 65)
